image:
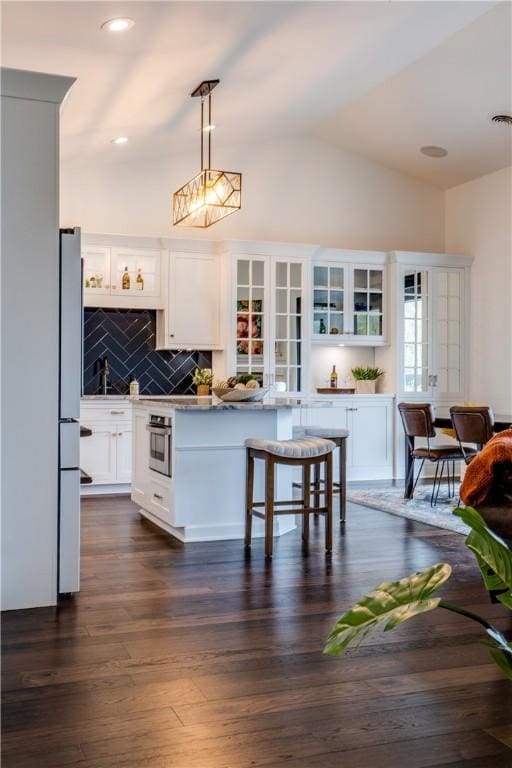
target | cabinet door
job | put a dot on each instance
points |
(98, 453)
(329, 299)
(96, 272)
(123, 454)
(135, 272)
(288, 324)
(194, 300)
(251, 317)
(448, 333)
(370, 445)
(415, 332)
(368, 302)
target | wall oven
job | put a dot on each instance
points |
(160, 444)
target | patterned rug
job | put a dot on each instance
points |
(392, 500)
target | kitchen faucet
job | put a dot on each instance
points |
(105, 373)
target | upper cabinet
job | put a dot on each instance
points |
(349, 297)
(191, 318)
(118, 276)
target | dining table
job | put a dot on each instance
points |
(501, 422)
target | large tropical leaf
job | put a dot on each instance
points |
(500, 650)
(390, 604)
(493, 555)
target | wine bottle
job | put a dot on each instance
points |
(139, 280)
(334, 378)
(126, 280)
(322, 329)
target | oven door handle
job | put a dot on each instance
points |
(159, 430)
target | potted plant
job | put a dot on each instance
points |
(203, 379)
(393, 602)
(366, 377)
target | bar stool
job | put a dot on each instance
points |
(306, 452)
(339, 438)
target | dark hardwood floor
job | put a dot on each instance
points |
(201, 657)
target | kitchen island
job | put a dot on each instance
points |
(198, 491)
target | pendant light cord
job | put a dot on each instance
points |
(202, 133)
(209, 130)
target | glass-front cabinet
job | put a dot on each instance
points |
(348, 302)
(269, 320)
(121, 276)
(432, 333)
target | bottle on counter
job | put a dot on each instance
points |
(139, 280)
(134, 388)
(334, 378)
(322, 328)
(125, 280)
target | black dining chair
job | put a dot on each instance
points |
(418, 421)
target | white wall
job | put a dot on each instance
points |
(295, 190)
(478, 223)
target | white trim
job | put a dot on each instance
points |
(36, 86)
(417, 258)
(222, 532)
(107, 489)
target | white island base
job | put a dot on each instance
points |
(204, 500)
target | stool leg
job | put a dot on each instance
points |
(343, 480)
(249, 497)
(328, 502)
(306, 484)
(317, 485)
(269, 507)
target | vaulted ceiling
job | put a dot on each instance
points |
(378, 78)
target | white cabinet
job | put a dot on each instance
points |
(268, 322)
(106, 455)
(191, 319)
(349, 299)
(370, 423)
(98, 453)
(152, 491)
(119, 275)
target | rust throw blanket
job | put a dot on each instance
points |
(478, 480)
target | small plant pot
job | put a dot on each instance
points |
(366, 386)
(203, 390)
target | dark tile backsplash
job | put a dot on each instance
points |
(127, 338)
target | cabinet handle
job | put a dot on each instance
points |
(171, 335)
(157, 496)
(114, 434)
(119, 434)
(117, 413)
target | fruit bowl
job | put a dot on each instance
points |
(230, 395)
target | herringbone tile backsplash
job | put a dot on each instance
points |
(127, 338)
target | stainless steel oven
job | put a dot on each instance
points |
(160, 444)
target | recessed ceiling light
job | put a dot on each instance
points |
(433, 151)
(119, 140)
(117, 25)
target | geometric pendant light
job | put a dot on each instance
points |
(211, 195)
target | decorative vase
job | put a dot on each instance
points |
(366, 386)
(203, 390)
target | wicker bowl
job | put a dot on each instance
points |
(240, 395)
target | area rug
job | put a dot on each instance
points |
(392, 500)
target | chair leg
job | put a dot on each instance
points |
(317, 485)
(443, 464)
(249, 497)
(408, 480)
(269, 507)
(328, 502)
(342, 457)
(434, 486)
(417, 476)
(306, 483)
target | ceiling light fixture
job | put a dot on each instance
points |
(117, 25)
(212, 194)
(433, 151)
(119, 140)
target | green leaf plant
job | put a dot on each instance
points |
(393, 602)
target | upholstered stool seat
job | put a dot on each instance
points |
(301, 448)
(305, 452)
(339, 437)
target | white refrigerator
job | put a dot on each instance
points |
(70, 386)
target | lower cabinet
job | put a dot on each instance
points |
(370, 443)
(106, 455)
